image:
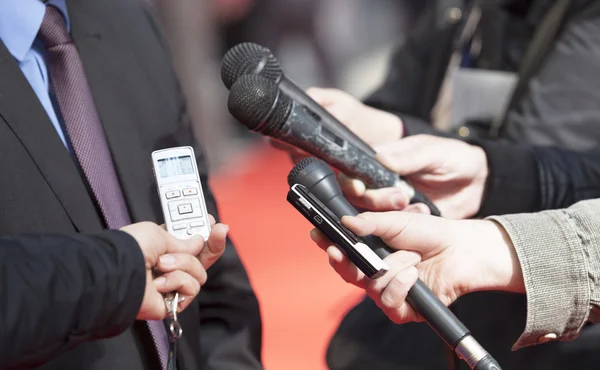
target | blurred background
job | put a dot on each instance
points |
(329, 43)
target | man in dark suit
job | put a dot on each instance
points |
(87, 92)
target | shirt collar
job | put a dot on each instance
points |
(20, 21)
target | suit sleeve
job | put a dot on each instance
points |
(59, 291)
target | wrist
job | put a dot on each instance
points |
(491, 259)
(480, 180)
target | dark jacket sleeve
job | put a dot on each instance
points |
(58, 291)
(417, 68)
(530, 179)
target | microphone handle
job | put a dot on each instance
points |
(420, 297)
(439, 317)
(304, 131)
(292, 90)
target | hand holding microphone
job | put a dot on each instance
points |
(452, 173)
(319, 180)
(253, 59)
(260, 105)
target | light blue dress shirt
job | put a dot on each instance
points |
(20, 21)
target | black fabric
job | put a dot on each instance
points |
(513, 180)
(63, 290)
(142, 109)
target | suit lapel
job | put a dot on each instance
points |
(114, 79)
(20, 108)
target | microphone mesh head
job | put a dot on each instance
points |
(249, 58)
(298, 168)
(254, 100)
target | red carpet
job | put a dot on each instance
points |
(302, 299)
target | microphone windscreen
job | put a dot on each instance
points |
(249, 58)
(298, 168)
(258, 104)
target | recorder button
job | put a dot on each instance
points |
(173, 194)
(197, 224)
(193, 231)
(185, 208)
(190, 191)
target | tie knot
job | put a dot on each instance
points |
(53, 31)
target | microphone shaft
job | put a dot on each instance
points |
(305, 130)
(421, 298)
(292, 90)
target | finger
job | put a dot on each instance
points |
(189, 246)
(320, 239)
(409, 155)
(325, 96)
(386, 199)
(351, 186)
(345, 268)
(393, 298)
(178, 281)
(183, 262)
(338, 260)
(212, 220)
(154, 307)
(397, 261)
(393, 228)
(215, 245)
(417, 208)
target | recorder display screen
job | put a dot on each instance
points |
(175, 166)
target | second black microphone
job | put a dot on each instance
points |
(260, 105)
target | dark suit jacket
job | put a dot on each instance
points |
(142, 109)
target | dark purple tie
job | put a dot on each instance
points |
(86, 135)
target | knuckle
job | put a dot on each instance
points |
(388, 301)
(203, 277)
(395, 317)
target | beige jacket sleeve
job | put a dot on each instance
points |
(559, 252)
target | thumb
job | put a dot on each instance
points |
(401, 230)
(408, 156)
(326, 96)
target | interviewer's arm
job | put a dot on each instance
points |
(58, 291)
(559, 253)
(553, 257)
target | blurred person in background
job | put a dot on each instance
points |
(523, 71)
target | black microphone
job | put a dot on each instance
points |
(320, 181)
(251, 58)
(259, 105)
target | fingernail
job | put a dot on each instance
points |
(167, 260)
(358, 186)
(160, 281)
